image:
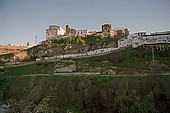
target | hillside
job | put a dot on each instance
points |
(55, 47)
(4, 49)
(128, 61)
(91, 93)
(85, 94)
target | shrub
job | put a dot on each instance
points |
(2, 69)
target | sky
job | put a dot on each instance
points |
(22, 20)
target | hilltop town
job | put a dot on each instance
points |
(71, 69)
(74, 43)
(58, 32)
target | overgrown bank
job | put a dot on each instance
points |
(93, 93)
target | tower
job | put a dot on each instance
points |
(106, 27)
(68, 29)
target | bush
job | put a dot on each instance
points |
(130, 102)
(2, 69)
(116, 57)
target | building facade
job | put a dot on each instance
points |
(121, 32)
(117, 32)
(74, 32)
(139, 39)
(82, 33)
(54, 31)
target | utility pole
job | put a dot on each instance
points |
(36, 40)
(153, 55)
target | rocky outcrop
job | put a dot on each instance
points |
(65, 66)
(109, 72)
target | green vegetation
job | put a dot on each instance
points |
(37, 68)
(129, 102)
(97, 93)
(130, 59)
(93, 94)
(7, 56)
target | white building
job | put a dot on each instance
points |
(54, 31)
(123, 42)
(82, 33)
(138, 39)
(156, 39)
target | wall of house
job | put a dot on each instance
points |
(54, 31)
(82, 33)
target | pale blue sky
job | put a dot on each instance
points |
(22, 20)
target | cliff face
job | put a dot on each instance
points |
(65, 66)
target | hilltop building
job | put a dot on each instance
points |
(106, 28)
(141, 38)
(121, 32)
(70, 31)
(82, 33)
(54, 31)
(74, 32)
(117, 32)
(58, 32)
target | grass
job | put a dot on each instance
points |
(134, 59)
(37, 68)
(94, 61)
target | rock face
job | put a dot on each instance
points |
(65, 66)
(109, 72)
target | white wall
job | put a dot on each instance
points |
(82, 33)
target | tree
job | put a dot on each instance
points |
(101, 36)
(148, 104)
(84, 86)
(126, 102)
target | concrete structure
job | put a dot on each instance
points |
(54, 31)
(123, 42)
(139, 39)
(82, 33)
(157, 38)
(140, 33)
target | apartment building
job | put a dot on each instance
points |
(140, 38)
